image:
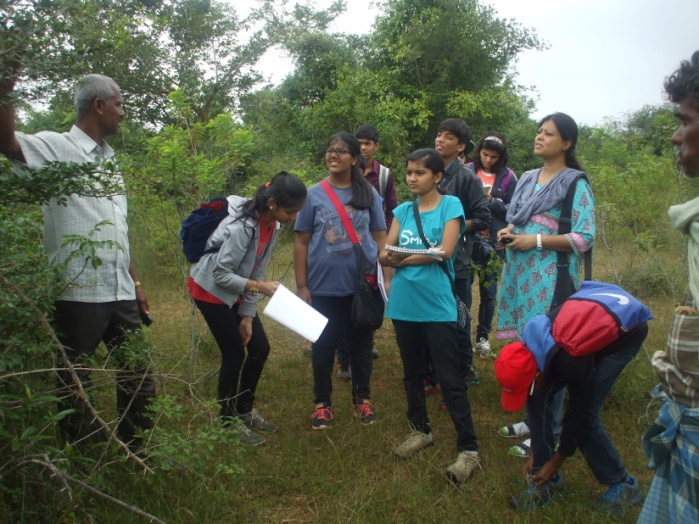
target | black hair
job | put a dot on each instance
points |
(491, 141)
(684, 83)
(367, 132)
(568, 130)
(362, 195)
(430, 158)
(285, 188)
(458, 128)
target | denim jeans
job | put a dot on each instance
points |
(413, 340)
(462, 286)
(241, 367)
(338, 310)
(599, 452)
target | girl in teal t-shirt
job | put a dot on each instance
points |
(422, 307)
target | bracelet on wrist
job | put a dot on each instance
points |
(253, 289)
(539, 245)
(137, 283)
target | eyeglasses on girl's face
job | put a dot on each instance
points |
(336, 152)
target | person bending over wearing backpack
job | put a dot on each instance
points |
(226, 285)
(533, 373)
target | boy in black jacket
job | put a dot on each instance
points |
(453, 137)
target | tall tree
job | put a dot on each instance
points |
(438, 49)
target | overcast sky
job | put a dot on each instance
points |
(606, 57)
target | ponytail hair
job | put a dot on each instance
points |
(362, 194)
(569, 131)
(285, 188)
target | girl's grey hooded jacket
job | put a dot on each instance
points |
(225, 273)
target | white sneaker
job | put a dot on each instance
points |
(414, 442)
(482, 347)
(516, 430)
(462, 470)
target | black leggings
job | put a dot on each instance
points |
(240, 372)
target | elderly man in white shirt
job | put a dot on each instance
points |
(99, 304)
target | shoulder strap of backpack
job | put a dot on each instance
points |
(564, 287)
(505, 182)
(566, 224)
(383, 179)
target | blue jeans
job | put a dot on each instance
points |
(338, 310)
(599, 452)
(413, 340)
(462, 286)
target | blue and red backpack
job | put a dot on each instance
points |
(595, 316)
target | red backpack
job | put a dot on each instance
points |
(595, 316)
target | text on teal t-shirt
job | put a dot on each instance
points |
(423, 293)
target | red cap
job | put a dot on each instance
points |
(515, 369)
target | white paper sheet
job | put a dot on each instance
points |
(292, 312)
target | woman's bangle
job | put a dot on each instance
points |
(539, 245)
(253, 288)
(137, 283)
(299, 287)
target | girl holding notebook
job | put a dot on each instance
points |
(423, 309)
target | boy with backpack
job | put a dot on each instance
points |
(375, 173)
(583, 345)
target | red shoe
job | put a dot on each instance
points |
(431, 389)
(322, 416)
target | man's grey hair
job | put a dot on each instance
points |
(90, 87)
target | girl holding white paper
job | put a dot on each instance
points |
(226, 285)
(422, 306)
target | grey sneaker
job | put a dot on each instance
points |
(619, 497)
(482, 347)
(462, 470)
(414, 442)
(245, 435)
(254, 420)
(375, 352)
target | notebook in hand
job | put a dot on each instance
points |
(431, 252)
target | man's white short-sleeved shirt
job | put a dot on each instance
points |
(110, 281)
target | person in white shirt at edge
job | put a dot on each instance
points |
(102, 303)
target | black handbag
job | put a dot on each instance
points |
(367, 304)
(463, 315)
